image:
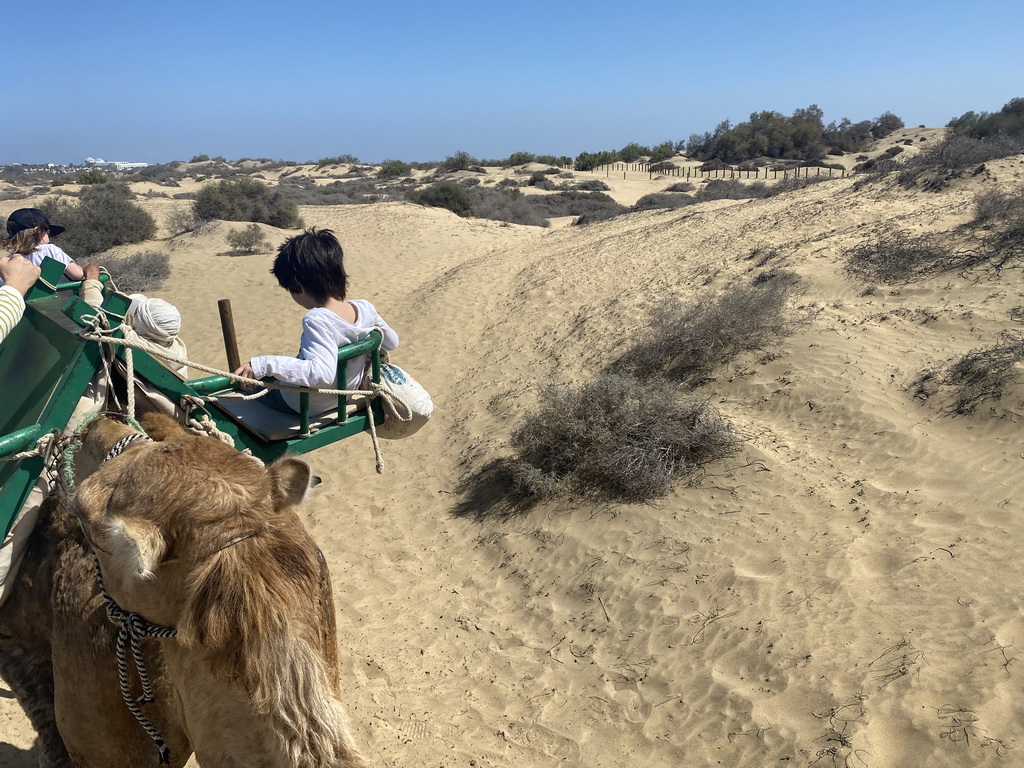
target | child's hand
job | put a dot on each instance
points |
(247, 371)
(92, 272)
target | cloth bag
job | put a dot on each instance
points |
(412, 403)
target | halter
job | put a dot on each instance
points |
(132, 628)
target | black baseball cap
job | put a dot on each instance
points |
(30, 218)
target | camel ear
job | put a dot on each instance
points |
(136, 546)
(290, 478)
(160, 426)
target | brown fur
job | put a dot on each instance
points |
(190, 534)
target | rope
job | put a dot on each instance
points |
(132, 628)
(43, 446)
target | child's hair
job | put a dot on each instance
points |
(312, 262)
(25, 241)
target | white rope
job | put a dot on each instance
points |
(42, 447)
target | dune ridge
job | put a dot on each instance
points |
(844, 591)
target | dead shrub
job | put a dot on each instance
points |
(686, 343)
(895, 256)
(615, 439)
(980, 375)
(140, 272)
(993, 207)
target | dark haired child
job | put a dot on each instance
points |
(310, 267)
(29, 233)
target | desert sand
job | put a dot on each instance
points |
(844, 591)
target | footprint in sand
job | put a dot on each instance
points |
(541, 739)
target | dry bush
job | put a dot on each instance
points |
(687, 343)
(250, 239)
(140, 272)
(895, 257)
(952, 157)
(993, 207)
(980, 375)
(615, 439)
(181, 220)
(505, 205)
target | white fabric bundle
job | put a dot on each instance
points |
(154, 319)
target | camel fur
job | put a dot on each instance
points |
(189, 534)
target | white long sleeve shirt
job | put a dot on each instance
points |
(316, 365)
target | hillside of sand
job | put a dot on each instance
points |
(842, 592)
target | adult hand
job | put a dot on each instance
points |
(19, 273)
(92, 271)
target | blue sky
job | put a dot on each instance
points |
(301, 80)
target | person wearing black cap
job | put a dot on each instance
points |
(29, 233)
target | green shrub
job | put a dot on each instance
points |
(506, 205)
(393, 169)
(662, 200)
(246, 199)
(591, 185)
(687, 343)
(617, 439)
(460, 161)
(339, 160)
(104, 216)
(140, 272)
(92, 176)
(250, 239)
(732, 189)
(445, 194)
(200, 159)
(681, 186)
(519, 158)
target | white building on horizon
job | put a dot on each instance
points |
(101, 164)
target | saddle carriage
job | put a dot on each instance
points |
(50, 359)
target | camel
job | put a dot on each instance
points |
(189, 534)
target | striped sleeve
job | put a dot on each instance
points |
(12, 307)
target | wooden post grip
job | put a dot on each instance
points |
(227, 326)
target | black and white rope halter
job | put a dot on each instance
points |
(132, 628)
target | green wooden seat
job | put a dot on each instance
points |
(46, 367)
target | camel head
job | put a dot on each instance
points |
(164, 508)
(192, 534)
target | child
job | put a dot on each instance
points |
(29, 233)
(309, 266)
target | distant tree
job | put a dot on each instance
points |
(520, 158)
(460, 161)
(1008, 121)
(200, 159)
(885, 124)
(633, 152)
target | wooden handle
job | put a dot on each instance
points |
(227, 326)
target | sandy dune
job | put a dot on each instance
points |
(843, 592)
